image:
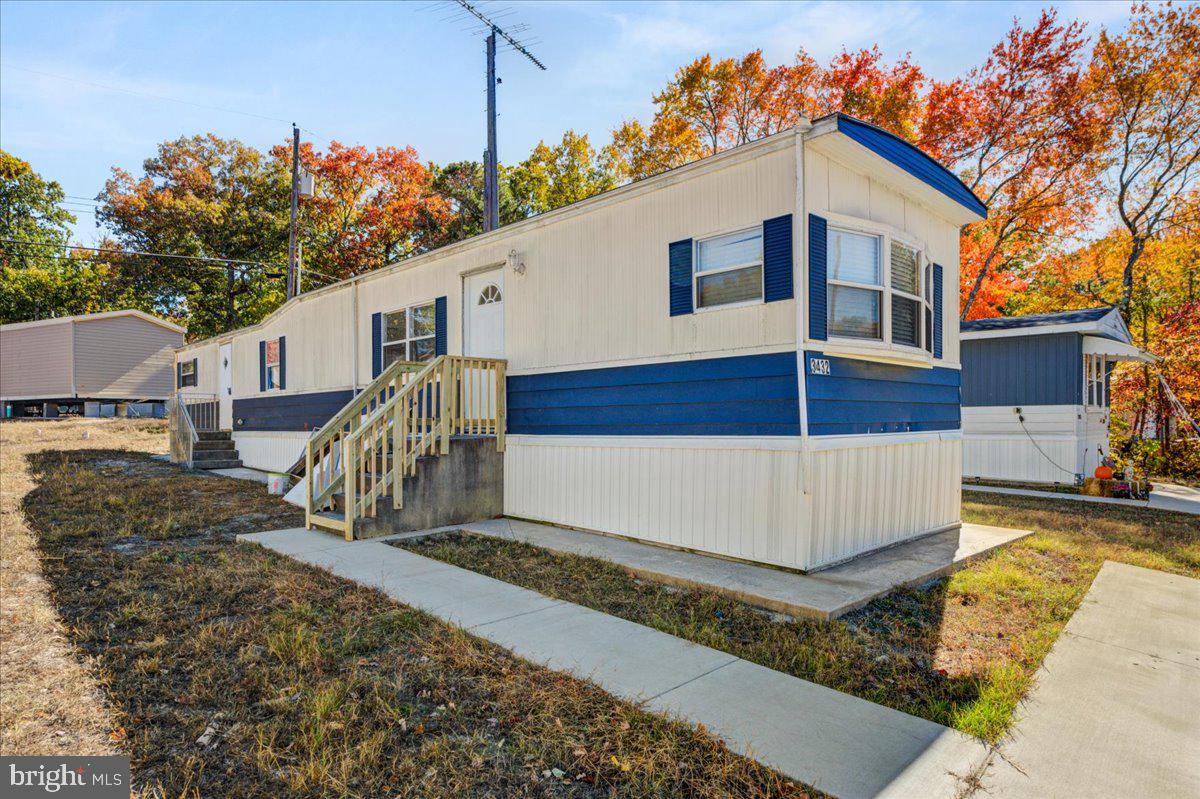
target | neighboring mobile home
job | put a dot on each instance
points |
(754, 355)
(1036, 394)
(93, 365)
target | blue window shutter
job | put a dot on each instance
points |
(376, 344)
(679, 256)
(937, 311)
(179, 374)
(777, 259)
(262, 366)
(282, 362)
(439, 326)
(818, 252)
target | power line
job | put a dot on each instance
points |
(216, 263)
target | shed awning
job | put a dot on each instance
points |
(1115, 350)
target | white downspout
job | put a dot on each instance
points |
(354, 340)
(799, 274)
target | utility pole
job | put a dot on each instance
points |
(229, 309)
(292, 254)
(491, 187)
(491, 158)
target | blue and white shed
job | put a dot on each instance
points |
(754, 355)
(1035, 393)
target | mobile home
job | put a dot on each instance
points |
(1036, 394)
(753, 355)
(94, 365)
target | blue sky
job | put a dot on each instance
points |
(403, 73)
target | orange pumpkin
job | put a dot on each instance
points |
(1104, 472)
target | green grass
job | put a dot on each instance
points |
(232, 671)
(961, 652)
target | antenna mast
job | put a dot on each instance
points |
(491, 186)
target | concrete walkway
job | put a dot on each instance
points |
(1116, 708)
(835, 742)
(1165, 496)
(824, 595)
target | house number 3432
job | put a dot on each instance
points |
(818, 366)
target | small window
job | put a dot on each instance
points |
(272, 364)
(729, 269)
(490, 294)
(1095, 384)
(409, 333)
(187, 373)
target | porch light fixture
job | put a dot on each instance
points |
(515, 261)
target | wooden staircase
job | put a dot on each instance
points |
(358, 462)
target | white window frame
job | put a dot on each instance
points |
(697, 274)
(187, 369)
(886, 234)
(273, 369)
(409, 338)
(1095, 394)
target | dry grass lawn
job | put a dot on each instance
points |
(961, 652)
(227, 670)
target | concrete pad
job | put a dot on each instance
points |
(626, 659)
(1110, 715)
(294, 540)
(243, 473)
(1182, 499)
(843, 745)
(825, 594)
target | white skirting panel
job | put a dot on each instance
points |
(743, 498)
(1046, 448)
(270, 451)
(867, 497)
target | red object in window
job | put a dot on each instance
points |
(273, 352)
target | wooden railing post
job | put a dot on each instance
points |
(501, 409)
(349, 483)
(444, 404)
(309, 476)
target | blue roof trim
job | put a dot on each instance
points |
(911, 160)
(1036, 320)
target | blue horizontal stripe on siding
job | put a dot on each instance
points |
(738, 396)
(288, 412)
(1023, 370)
(911, 160)
(860, 397)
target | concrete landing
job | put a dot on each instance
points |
(834, 742)
(1167, 496)
(1116, 707)
(826, 594)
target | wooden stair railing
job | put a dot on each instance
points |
(405, 414)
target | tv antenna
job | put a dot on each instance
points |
(488, 20)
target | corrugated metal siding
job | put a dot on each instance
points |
(1045, 449)
(745, 503)
(859, 397)
(36, 361)
(864, 498)
(124, 357)
(750, 395)
(271, 452)
(1023, 370)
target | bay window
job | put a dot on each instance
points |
(880, 289)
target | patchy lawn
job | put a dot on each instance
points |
(231, 671)
(961, 652)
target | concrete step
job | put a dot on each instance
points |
(207, 464)
(214, 435)
(226, 453)
(216, 443)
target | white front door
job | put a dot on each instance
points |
(483, 312)
(225, 385)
